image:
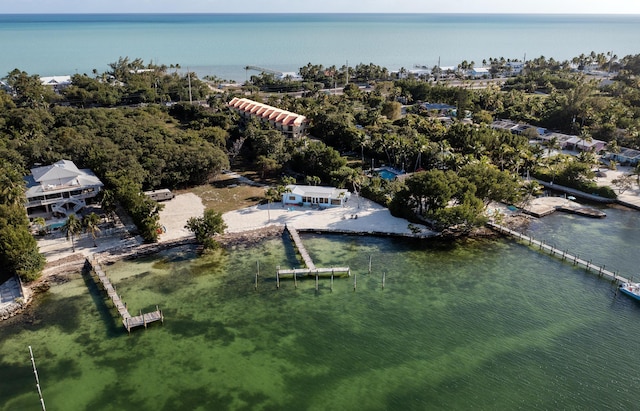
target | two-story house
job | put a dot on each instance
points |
(60, 189)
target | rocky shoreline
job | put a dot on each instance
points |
(250, 237)
(56, 272)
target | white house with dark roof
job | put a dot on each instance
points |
(291, 124)
(315, 196)
(56, 82)
(60, 189)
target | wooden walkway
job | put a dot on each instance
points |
(301, 249)
(321, 272)
(128, 320)
(564, 255)
(311, 270)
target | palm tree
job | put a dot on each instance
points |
(312, 180)
(72, 227)
(552, 144)
(585, 136)
(90, 223)
(529, 190)
(108, 203)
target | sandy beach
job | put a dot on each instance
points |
(358, 216)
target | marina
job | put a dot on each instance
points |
(130, 322)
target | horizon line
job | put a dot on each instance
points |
(327, 13)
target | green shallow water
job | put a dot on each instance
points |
(474, 324)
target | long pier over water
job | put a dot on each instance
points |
(130, 322)
(564, 255)
(311, 269)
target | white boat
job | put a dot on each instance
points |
(631, 289)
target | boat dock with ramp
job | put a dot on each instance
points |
(130, 322)
(544, 206)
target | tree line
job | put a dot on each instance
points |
(459, 167)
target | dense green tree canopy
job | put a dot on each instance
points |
(18, 249)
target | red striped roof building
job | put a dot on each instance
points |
(291, 124)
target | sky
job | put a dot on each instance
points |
(324, 6)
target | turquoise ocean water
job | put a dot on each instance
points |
(223, 45)
(466, 325)
(459, 325)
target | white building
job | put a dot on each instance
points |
(60, 189)
(479, 72)
(516, 67)
(315, 196)
(56, 82)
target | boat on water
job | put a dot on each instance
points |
(631, 289)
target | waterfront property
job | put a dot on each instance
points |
(290, 124)
(315, 196)
(60, 189)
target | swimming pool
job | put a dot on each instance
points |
(56, 225)
(388, 173)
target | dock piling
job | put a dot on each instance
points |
(355, 281)
(257, 274)
(35, 373)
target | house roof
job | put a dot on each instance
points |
(55, 80)
(629, 153)
(63, 169)
(266, 111)
(504, 124)
(317, 191)
(60, 176)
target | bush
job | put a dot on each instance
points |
(587, 187)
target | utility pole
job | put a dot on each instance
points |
(189, 78)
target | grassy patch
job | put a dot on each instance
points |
(227, 194)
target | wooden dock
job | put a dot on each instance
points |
(564, 255)
(320, 272)
(130, 322)
(311, 270)
(301, 249)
